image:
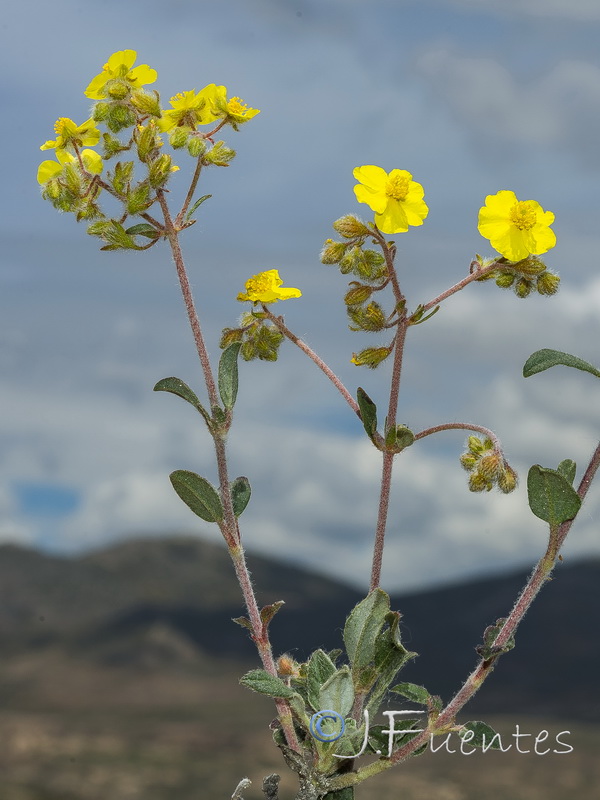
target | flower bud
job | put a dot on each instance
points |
(530, 266)
(357, 295)
(476, 446)
(230, 336)
(547, 283)
(505, 280)
(286, 666)
(196, 146)
(490, 465)
(332, 252)
(371, 357)
(507, 480)
(100, 112)
(119, 117)
(523, 288)
(219, 155)
(179, 136)
(468, 461)
(159, 171)
(117, 90)
(350, 227)
(146, 103)
(477, 482)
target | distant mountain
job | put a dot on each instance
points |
(167, 604)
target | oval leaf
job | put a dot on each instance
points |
(228, 374)
(417, 694)
(363, 625)
(337, 693)
(143, 229)
(544, 359)
(181, 389)
(483, 736)
(368, 412)
(320, 669)
(259, 680)
(198, 494)
(240, 494)
(551, 496)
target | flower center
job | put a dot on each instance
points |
(397, 187)
(63, 125)
(259, 284)
(236, 106)
(522, 215)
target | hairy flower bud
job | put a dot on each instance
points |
(505, 280)
(332, 252)
(523, 288)
(179, 136)
(547, 283)
(478, 483)
(196, 146)
(350, 227)
(370, 357)
(507, 480)
(490, 465)
(468, 461)
(357, 295)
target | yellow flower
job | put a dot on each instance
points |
(395, 198)
(187, 111)
(119, 67)
(68, 133)
(50, 169)
(265, 288)
(233, 111)
(516, 228)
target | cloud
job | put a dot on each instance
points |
(560, 108)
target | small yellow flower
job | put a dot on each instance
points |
(120, 67)
(187, 111)
(395, 198)
(516, 228)
(265, 288)
(233, 110)
(47, 170)
(68, 133)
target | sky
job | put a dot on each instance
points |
(471, 97)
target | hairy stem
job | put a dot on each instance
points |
(229, 525)
(281, 326)
(461, 426)
(477, 272)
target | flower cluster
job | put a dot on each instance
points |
(487, 466)
(76, 179)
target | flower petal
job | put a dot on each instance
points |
(48, 170)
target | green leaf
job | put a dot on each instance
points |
(196, 205)
(228, 374)
(412, 692)
(544, 359)
(198, 494)
(390, 657)
(341, 794)
(567, 469)
(368, 412)
(260, 681)
(551, 496)
(483, 735)
(488, 649)
(181, 389)
(268, 612)
(143, 229)
(337, 693)
(240, 494)
(244, 622)
(362, 627)
(320, 669)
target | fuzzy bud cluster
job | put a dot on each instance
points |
(530, 275)
(259, 337)
(369, 266)
(487, 467)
